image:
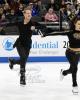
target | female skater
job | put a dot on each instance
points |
(72, 52)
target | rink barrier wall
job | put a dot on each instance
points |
(38, 59)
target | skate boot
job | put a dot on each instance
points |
(75, 90)
(10, 63)
(61, 75)
(22, 79)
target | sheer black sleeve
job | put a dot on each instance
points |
(55, 33)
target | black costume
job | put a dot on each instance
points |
(23, 44)
(72, 56)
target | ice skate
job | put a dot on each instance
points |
(10, 63)
(22, 80)
(61, 75)
(75, 90)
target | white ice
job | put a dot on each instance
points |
(43, 82)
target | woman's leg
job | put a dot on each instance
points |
(73, 59)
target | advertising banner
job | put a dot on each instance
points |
(43, 48)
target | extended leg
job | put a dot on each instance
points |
(73, 59)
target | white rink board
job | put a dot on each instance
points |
(46, 46)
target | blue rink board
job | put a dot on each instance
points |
(39, 59)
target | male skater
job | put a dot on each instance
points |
(23, 43)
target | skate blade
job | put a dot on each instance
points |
(75, 93)
(22, 85)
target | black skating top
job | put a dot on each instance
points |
(26, 32)
(73, 36)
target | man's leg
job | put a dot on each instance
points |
(23, 60)
(12, 62)
(23, 53)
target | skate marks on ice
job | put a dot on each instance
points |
(42, 83)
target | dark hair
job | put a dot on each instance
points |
(74, 21)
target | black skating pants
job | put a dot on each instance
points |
(73, 58)
(23, 53)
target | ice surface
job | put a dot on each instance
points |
(43, 82)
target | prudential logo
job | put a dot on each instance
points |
(8, 44)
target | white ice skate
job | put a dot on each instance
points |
(75, 90)
(61, 75)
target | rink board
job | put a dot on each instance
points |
(46, 49)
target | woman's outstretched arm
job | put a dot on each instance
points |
(55, 33)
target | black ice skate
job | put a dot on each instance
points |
(10, 63)
(22, 80)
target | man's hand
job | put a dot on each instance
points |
(32, 28)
